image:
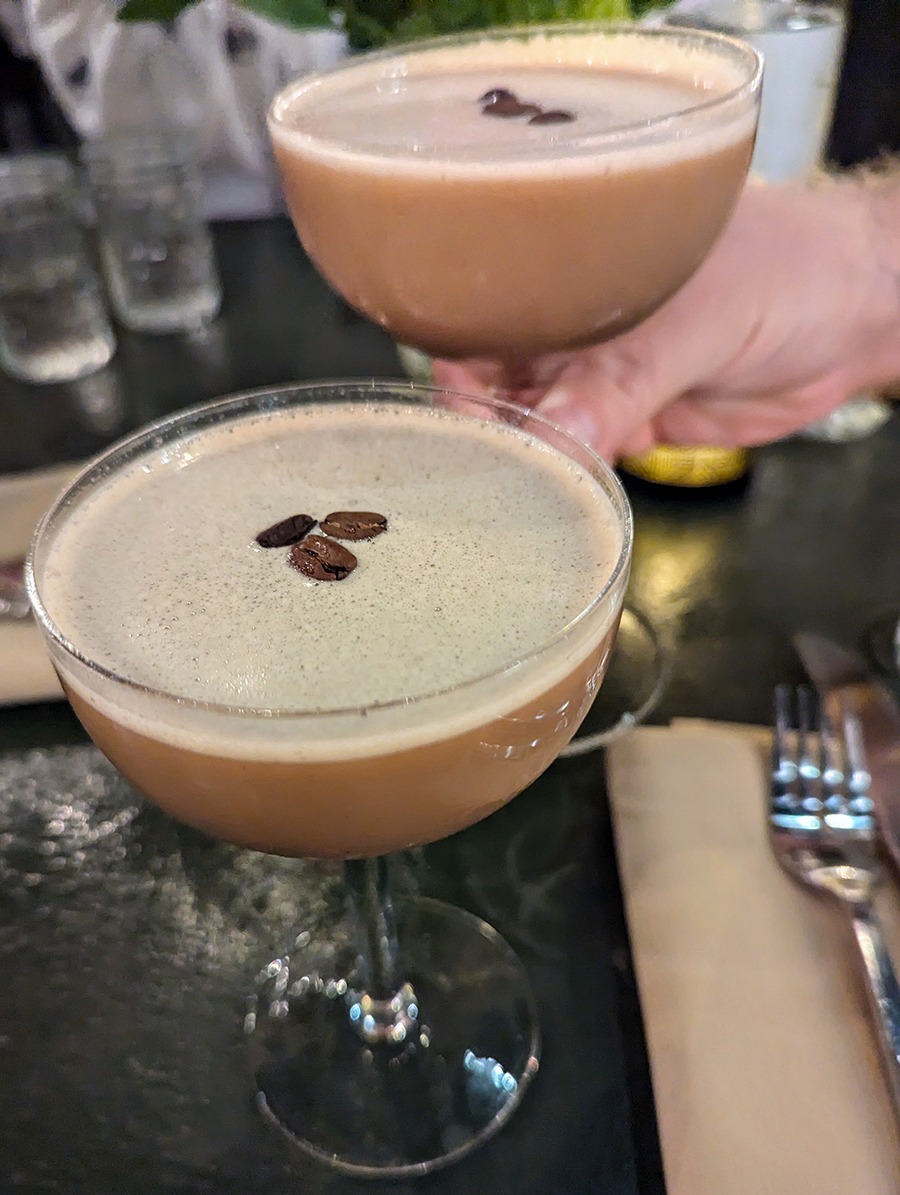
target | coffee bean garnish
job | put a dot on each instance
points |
(510, 107)
(317, 556)
(322, 559)
(500, 101)
(288, 531)
(552, 116)
(496, 94)
(353, 524)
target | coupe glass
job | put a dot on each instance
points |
(466, 236)
(407, 1036)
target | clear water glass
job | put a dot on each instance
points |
(802, 44)
(53, 321)
(155, 245)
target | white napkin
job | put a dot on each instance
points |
(25, 671)
(765, 1071)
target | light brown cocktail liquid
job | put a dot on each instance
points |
(496, 543)
(466, 233)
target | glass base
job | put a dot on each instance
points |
(858, 418)
(634, 684)
(467, 1046)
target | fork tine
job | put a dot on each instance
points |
(834, 790)
(784, 769)
(836, 852)
(807, 767)
(786, 790)
(858, 777)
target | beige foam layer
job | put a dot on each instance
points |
(711, 73)
(157, 578)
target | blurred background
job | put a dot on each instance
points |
(35, 98)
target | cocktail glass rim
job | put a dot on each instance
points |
(253, 402)
(591, 143)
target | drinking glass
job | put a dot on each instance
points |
(398, 1044)
(53, 323)
(155, 246)
(802, 43)
(473, 244)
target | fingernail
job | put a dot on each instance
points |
(561, 406)
(556, 399)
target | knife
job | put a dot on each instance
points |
(843, 678)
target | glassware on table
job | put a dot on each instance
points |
(636, 679)
(468, 232)
(156, 248)
(856, 419)
(399, 1045)
(53, 322)
(802, 43)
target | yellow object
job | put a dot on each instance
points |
(691, 466)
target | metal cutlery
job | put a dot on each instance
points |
(842, 677)
(14, 602)
(824, 833)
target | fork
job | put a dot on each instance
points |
(14, 602)
(824, 832)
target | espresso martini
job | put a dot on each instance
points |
(350, 716)
(336, 620)
(521, 192)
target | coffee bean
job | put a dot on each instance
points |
(322, 559)
(509, 107)
(288, 531)
(353, 524)
(495, 94)
(552, 116)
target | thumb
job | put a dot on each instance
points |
(609, 394)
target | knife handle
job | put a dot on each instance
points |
(883, 993)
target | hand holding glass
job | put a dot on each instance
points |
(468, 227)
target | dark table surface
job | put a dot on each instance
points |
(127, 943)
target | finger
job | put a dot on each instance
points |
(606, 396)
(640, 442)
(523, 382)
(745, 420)
(469, 377)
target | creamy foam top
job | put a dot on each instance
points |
(440, 113)
(422, 107)
(495, 543)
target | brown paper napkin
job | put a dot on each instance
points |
(765, 1072)
(25, 671)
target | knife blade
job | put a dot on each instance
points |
(843, 679)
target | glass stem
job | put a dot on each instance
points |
(385, 1011)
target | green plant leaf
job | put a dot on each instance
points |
(153, 10)
(605, 10)
(301, 14)
(374, 22)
